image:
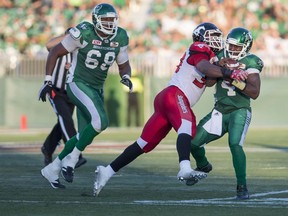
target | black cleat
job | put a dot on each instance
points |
(80, 162)
(207, 168)
(242, 192)
(47, 156)
(57, 185)
(68, 174)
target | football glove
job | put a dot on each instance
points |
(237, 74)
(45, 89)
(127, 82)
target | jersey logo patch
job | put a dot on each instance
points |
(197, 31)
(75, 33)
(97, 42)
(114, 44)
(201, 45)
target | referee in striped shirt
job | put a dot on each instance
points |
(64, 128)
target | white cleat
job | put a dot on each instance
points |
(101, 178)
(52, 176)
(191, 176)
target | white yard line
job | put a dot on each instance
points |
(256, 201)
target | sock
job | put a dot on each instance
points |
(185, 165)
(75, 153)
(110, 171)
(127, 156)
(56, 162)
(71, 159)
(69, 146)
(56, 165)
(183, 146)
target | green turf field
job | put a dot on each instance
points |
(148, 186)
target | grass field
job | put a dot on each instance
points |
(148, 186)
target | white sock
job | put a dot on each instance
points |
(71, 159)
(75, 153)
(110, 171)
(185, 165)
(56, 164)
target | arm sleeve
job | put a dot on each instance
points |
(199, 51)
(70, 44)
(122, 57)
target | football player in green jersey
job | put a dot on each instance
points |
(95, 46)
(232, 111)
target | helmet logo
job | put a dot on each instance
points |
(249, 36)
(98, 7)
(197, 30)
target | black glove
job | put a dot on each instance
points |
(126, 81)
(45, 89)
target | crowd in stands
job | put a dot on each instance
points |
(153, 25)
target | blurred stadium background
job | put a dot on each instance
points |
(160, 30)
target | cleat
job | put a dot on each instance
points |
(52, 178)
(192, 181)
(242, 192)
(191, 176)
(101, 178)
(207, 168)
(80, 162)
(47, 156)
(67, 174)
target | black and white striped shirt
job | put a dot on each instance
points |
(60, 72)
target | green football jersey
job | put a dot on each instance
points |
(93, 59)
(227, 97)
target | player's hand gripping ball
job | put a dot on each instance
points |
(233, 65)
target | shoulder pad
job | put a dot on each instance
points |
(75, 33)
(253, 61)
(200, 47)
(122, 37)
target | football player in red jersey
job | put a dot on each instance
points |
(172, 106)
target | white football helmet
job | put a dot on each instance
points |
(210, 34)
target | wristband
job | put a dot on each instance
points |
(125, 76)
(48, 78)
(226, 72)
(239, 84)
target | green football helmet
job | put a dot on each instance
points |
(238, 43)
(105, 18)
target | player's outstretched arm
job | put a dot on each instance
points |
(211, 70)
